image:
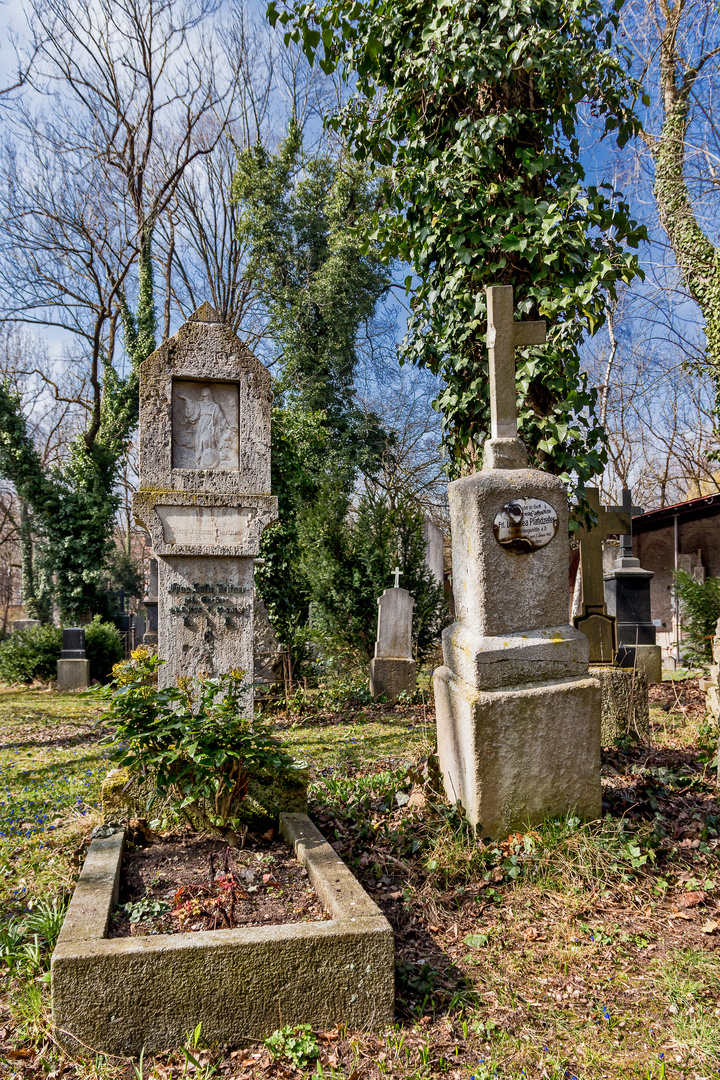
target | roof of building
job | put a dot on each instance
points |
(704, 506)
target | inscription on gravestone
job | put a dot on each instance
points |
(525, 525)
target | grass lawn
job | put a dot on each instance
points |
(573, 951)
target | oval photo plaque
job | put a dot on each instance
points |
(524, 525)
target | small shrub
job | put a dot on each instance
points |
(104, 648)
(700, 603)
(194, 738)
(30, 654)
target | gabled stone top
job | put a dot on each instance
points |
(205, 313)
(204, 413)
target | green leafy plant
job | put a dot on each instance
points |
(136, 910)
(700, 605)
(470, 112)
(30, 654)
(195, 738)
(297, 1044)
(104, 648)
(33, 653)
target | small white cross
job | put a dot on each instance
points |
(396, 572)
(503, 337)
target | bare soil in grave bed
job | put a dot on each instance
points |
(192, 882)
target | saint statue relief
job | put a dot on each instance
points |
(213, 433)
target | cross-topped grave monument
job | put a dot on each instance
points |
(393, 669)
(594, 621)
(204, 493)
(518, 715)
(627, 592)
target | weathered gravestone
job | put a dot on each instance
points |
(204, 493)
(518, 716)
(627, 593)
(393, 670)
(594, 621)
(73, 667)
(25, 624)
(434, 539)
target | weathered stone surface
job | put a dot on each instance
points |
(518, 718)
(73, 674)
(25, 624)
(515, 757)
(96, 892)
(392, 677)
(120, 799)
(488, 663)
(434, 549)
(266, 646)
(127, 994)
(394, 634)
(205, 355)
(208, 617)
(498, 591)
(204, 494)
(646, 658)
(625, 704)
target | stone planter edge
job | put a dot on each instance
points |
(118, 996)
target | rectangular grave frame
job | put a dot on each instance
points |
(120, 995)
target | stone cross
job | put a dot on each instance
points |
(594, 620)
(626, 507)
(204, 494)
(517, 714)
(503, 337)
(397, 572)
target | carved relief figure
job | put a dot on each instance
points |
(204, 436)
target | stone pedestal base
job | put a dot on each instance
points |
(389, 676)
(513, 757)
(646, 658)
(73, 674)
(625, 706)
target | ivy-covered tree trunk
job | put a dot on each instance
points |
(471, 112)
(697, 257)
(74, 507)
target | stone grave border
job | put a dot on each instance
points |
(118, 996)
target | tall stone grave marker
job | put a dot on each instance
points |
(204, 493)
(594, 620)
(627, 592)
(393, 669)
(518, 716)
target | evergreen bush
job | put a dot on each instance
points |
(30, 654)
(33, 653)
(700, 605)
(104, 647)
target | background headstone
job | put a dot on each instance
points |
(434, 549)
(594, 620)
(392, 669)
(25, 624)
(204, 493)
(627, 593)
(518, 716)
(73, 668)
